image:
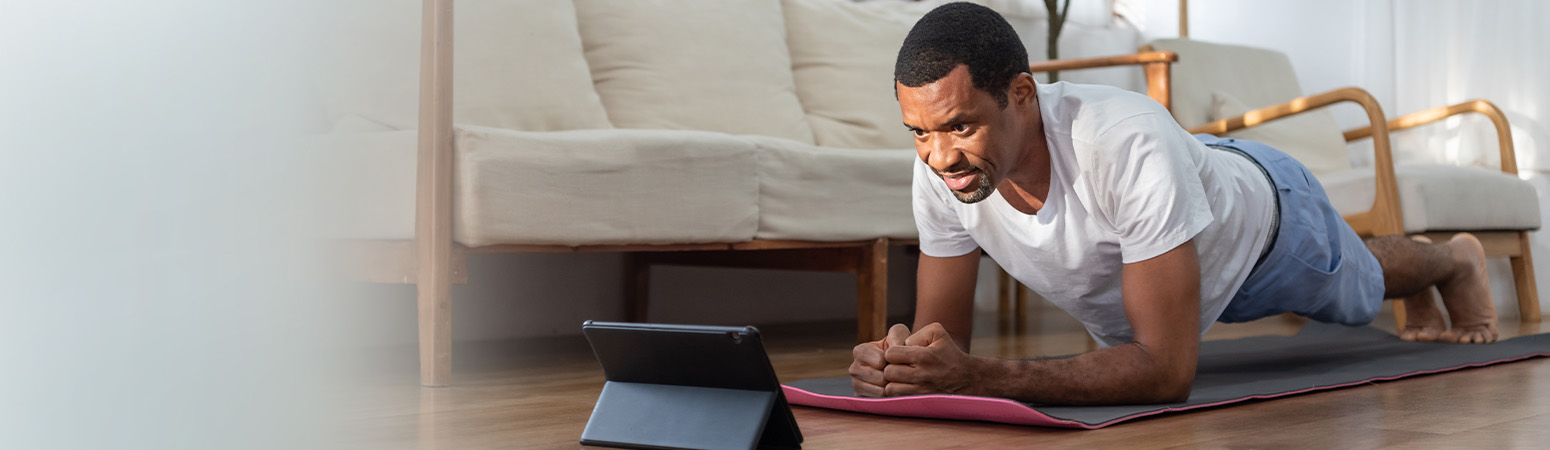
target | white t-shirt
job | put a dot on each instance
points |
(1128, 184)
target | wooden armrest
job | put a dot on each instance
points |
(1104, 61)
(1156, 64)
(1423, 117)
(1384, 218)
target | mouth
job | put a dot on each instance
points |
(961, 180)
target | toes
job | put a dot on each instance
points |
(1420, 334)
(1470, 336)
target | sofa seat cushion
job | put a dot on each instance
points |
(710, 65)
(583, 187)
(602, 187)
(832, 194)
(1437, 197)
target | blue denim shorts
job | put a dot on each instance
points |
(1317, 267)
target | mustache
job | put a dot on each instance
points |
(959, 168)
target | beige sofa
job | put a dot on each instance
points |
(758, 133)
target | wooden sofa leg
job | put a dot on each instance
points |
(637, 290)
(872, 291)
(1523, 275)
(435, 316)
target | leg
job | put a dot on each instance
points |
(637, 268)
(1523, 274)
(1423, 321)
(1456, 268)
(872, 292)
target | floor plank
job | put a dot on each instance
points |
(539, 394)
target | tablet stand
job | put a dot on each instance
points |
(642, 415)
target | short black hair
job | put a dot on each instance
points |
(967, 34)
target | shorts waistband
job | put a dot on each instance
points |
(1275, 214)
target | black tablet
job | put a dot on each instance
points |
(686, 386)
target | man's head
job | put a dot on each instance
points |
(965, 91)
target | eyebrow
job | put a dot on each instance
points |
(949, 124)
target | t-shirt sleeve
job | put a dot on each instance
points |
(1147, 186)
(941, 231)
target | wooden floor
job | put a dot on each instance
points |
(539, 393)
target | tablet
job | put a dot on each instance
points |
(686, 386)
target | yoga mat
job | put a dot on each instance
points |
(1319, 357)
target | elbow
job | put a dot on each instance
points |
(1174, 391)
(1174, 385)
(1171, 383)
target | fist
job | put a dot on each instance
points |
(866, 371)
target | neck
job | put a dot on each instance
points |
(1027, 186)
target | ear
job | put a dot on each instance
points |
(1022, 91)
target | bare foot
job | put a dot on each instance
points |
(1467, 295)
(1423, 321)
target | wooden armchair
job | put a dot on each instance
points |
(1205, 86)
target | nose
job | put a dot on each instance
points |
(942, 157)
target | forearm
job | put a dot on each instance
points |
(956, 317)
(944, 289)
(1127, 374)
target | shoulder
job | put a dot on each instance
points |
(1087, 111)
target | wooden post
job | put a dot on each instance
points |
(1158, 86)
(1183, 18)
(872, 291)
(433, 194)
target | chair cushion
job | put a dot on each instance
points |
(1210, 80)
(710, 65)
(1436, 197)
(1290, 135)
(500, 78)
(833, 194)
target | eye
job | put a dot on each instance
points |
(960, 128)
(919, 132)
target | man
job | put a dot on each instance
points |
(1095, 198)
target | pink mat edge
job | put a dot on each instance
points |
(961, 407)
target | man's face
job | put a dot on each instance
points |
(961, 133)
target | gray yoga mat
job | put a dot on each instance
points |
(1319, 357)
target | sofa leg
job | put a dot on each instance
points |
(1523, 275)
(637, 289)
(435, 316)
(872, 291)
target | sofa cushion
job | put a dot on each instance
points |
(599, 187)
(842, 55)
(710, 65)
(1436, 197)
(500, 77)
(833, 194)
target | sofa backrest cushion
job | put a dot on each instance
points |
(713, 65)
(842, 55)
(517, 64)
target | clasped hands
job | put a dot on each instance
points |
(926, 362)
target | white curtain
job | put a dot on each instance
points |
(1447, 52)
